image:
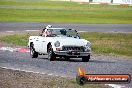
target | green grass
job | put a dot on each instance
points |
(110, 43)
(102, 43)
(63, 12)
(15, 39)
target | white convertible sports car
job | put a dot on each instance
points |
(61, 43)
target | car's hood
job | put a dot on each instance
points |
(68, 41)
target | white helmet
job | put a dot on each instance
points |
(48, 26)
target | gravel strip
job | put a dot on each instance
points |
(19, 79)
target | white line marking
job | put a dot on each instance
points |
(105, 3)
(113, 4)
(95, 3)
(82, 31)
(14, 49)
(27, 51)
(18, 69)
(56, 75)
(50, 74)
(116, 86)
(23, 70)
(7, 49)
(63, 76)
(9, 31)
(32, 30)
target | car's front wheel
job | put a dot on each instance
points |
(85, 58)
(51, 54)
(33, 53)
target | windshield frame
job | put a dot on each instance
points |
(61, 32)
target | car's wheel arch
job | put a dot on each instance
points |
(48, 46)
(31, 43)
(32, 49)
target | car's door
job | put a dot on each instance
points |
(37, 42)
(43, 45)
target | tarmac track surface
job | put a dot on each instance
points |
(97, 65)
(19, 26)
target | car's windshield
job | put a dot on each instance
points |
(63, 32)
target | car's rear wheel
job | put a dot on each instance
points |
(51, 54)
(85, 58)
(33, 53)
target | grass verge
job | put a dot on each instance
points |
(110, 43)
(63, 12)
(102, 43)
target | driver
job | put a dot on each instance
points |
(49, 33)
(45, 31)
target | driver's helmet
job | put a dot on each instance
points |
(48, 26)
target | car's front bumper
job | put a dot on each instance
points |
(72, 53)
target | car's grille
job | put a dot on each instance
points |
(73, 48)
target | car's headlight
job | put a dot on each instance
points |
(88, 45)
(57, 44)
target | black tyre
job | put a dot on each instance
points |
(85, 58)
(51, 54)
(81, 80)
(33, 53)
